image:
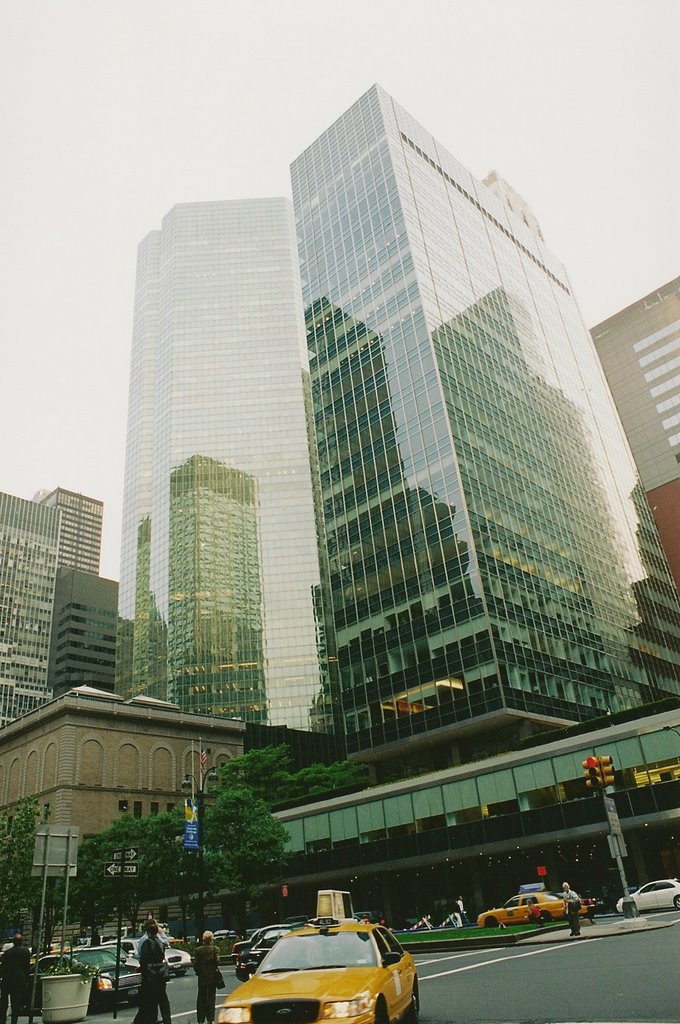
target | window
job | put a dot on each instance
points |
(154, 807)
(122, 805)
(137, 810)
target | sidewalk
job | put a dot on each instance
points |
(595, 930)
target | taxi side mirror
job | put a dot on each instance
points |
(391, 959)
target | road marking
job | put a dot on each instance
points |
(450, 956)
(500, 959)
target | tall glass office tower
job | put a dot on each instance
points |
(493, 564)
(219, 592)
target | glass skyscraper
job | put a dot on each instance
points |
(29, 546)
(220, 583)
(493, 566)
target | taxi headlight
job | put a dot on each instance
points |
(234, 1015)
(347, 1007)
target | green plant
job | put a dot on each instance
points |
(67, 966)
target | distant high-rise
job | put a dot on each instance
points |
(29, 543)
(83, 645)
(640, 351)
(220, 587)
(493, 564)
(81, 527)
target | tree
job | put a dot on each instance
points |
(250, 840)
(18, 890)
(95, 896)
(268, 774)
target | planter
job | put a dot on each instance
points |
(65, 998)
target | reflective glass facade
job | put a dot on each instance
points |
(29, 543)
(490, 549)
(219, 593)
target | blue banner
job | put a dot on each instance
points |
(191, 835)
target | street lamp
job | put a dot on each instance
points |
(197, 787)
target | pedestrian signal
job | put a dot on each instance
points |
(606, 771)
(591, 772)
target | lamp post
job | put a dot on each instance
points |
(198, 787)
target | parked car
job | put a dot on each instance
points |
(663, 894)
(514, 910)
(338, 970)
(103, 993)
(250, 958)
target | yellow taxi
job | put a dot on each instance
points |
(331, 970)
(515, 910)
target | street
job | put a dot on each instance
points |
(618, 979)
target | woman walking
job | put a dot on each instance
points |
(206, 963)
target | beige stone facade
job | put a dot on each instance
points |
(91, 756)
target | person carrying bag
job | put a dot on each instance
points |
(206, 961)
(155, 974)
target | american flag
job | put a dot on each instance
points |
(203, 758)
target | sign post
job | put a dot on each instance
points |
(123, 864)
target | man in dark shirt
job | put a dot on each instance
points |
(14, 970)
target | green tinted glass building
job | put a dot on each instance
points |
(493, 565)
(220, 581)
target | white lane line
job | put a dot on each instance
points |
(500, 959)
(449, 956)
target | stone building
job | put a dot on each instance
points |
(91, 756)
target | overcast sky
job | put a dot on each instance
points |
(110, 113)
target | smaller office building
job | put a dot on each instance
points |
(84, 622)
(92, 756)
(482, 829)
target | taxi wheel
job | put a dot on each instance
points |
(490, 922)
(411, 1016)
(381, 1015)
(545, 915)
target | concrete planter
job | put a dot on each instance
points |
(65, 998)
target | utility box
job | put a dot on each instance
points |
(332, 903)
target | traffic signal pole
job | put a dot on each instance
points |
(599, 773)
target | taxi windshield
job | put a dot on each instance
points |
(320, 950)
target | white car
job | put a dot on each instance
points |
(664, 894)
(178, 960)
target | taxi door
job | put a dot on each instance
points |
(513, 910)
(398, 990)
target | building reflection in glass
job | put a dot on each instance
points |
(219, 592)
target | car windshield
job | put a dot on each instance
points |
(315, 951)
(102, 958)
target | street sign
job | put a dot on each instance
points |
(131, 853)
(56, 850)
(612, 816)
(114, 869)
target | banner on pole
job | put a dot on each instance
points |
(191, 836)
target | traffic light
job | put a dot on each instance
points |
(606, 771)
(591, 771)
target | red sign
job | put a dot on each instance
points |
(542, 870)
(284, 890)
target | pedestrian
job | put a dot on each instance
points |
(206, 961)
(153, 998)
(572, 908)
(461, 910)
(534, 915)
(95, 940)
(14, 972)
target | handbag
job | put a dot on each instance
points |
(159, 971)
(219, 979)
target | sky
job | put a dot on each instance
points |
(111, 113)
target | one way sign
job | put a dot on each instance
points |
(114, 868)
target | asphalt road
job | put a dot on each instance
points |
(617, 980)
